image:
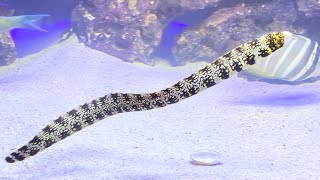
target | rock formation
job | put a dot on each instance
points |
(137, 30)
(7, 49)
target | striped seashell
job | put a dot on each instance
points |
(295, 63)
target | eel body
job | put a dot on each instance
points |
(89, 113)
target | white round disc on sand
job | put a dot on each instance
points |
(206, 158)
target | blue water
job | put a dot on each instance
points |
(31, 41)
(28, 41)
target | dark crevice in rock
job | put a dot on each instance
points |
(262, 20)
(186, 20)
(189, 19)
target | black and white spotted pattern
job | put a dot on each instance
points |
(111, 104)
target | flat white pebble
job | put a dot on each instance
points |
(206, 158)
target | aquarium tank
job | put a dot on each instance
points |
(159, 89)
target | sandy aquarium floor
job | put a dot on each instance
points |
(263, 131)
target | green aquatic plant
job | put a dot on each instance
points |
(89, 113)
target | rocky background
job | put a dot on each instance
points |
(181, 31)
(7, 49)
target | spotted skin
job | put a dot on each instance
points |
(111, 104)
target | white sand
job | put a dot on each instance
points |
(263, 131)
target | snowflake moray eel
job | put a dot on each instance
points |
(89, 113)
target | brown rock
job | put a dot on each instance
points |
(130, 30)
(311, 8)
(8, 52)
(193, 5)
(7, 49)
(133, 30)
(230, 26)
